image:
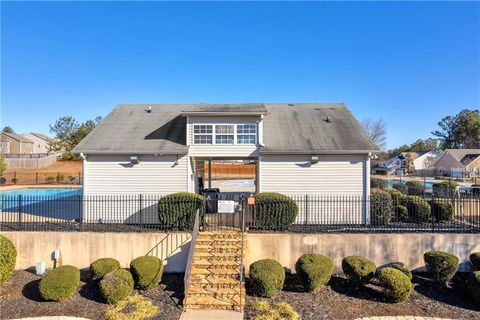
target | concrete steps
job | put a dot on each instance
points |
(214, 282)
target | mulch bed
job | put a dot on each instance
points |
(19, 297)
(342, 300)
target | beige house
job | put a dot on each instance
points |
(40, 141)
(16, 143)
(459, 162)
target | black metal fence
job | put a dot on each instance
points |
(316, 213)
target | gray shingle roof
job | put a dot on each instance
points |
(40, 135)
(292, 128)
(17, 137)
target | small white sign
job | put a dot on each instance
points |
(226, 206)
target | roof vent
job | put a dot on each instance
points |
(149, 109)
(328, 120)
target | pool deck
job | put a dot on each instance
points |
(35, 186)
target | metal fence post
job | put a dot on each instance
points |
(140, 211)
(80, 211)
(20, 218)
(306, 213)
(433, 212)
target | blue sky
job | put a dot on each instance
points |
(410, 63)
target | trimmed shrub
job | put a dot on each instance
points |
(8, 256)
(381, 206)
(266, 278)
(274, 211)
(314, 271)
(147, 271)
(445, 188)
(99, 268)
(60, 283)
(116, 286)
(396, 286)
(378, 183)
(358, 269)
(418, 209)
(441, 210)
(414, 188)
(475, 261)
(403, 269)
(400, 187)
(401, 213)
(396, 195)
(177, 211)
(441, 265)
(473, 284)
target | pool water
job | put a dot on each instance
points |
(390, 183)
(43, 192)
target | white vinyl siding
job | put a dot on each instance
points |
(153, 175)
(333, 179)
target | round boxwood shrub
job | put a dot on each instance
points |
(8, 256)
(442, 210)
(473, 284)
(266, 278)
(381, 207)
(418, 209)
(414, 188)
(99, 268)
(445, 188)
(274, 211)
(396, 286)
(358, 269)
(60, 283)
(314, 271)
(475, 261)
(401, 213)
(177, 211)
(400, 187)
(396, 195)
(116, 286)
(441, 265)
(403, 269)
(147, 271)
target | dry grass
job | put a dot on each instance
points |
(134, 307)
(276, 311)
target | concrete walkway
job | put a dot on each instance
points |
(211, 315)
(401, 318)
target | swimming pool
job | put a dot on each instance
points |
(43, 192)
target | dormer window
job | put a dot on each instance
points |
(225, 134)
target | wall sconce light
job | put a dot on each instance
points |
(134, 160)
(314, 159)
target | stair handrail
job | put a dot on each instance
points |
(188, 268)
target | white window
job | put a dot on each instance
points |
(224, 134)
(246, 133)
(202, 134)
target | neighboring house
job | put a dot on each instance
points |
(17, 143)
(299, 149)
(459, 162)
(40, 141)
(421, 161)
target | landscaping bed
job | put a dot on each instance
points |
(340, 299)
(20, 297)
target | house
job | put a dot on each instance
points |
(16, 143)
(299, 149)
(459, 162)
(421, 161)
(40, 141)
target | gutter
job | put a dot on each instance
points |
(318, 152)
(130, 152)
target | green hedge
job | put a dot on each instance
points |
(396, 286)
(176, 211)
(403, 269)
(99, 268)
(378, 183)
(474, 286)
(8, 256)
(274, 211)
(401, 213)
(445, 188)
(147, 271)
(442, 210)
(358, 269)
(396, 195)
(314, 271)
(60, 283)
(414, 188)
(400, 187)
(441, 265)
(266, 278)
(475, 261)
(116, 286)
(381, 206)
(418, 209)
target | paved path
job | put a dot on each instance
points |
(401, 318)
(211, 315)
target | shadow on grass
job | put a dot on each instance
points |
(455, 294)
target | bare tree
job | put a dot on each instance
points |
(376, 130)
